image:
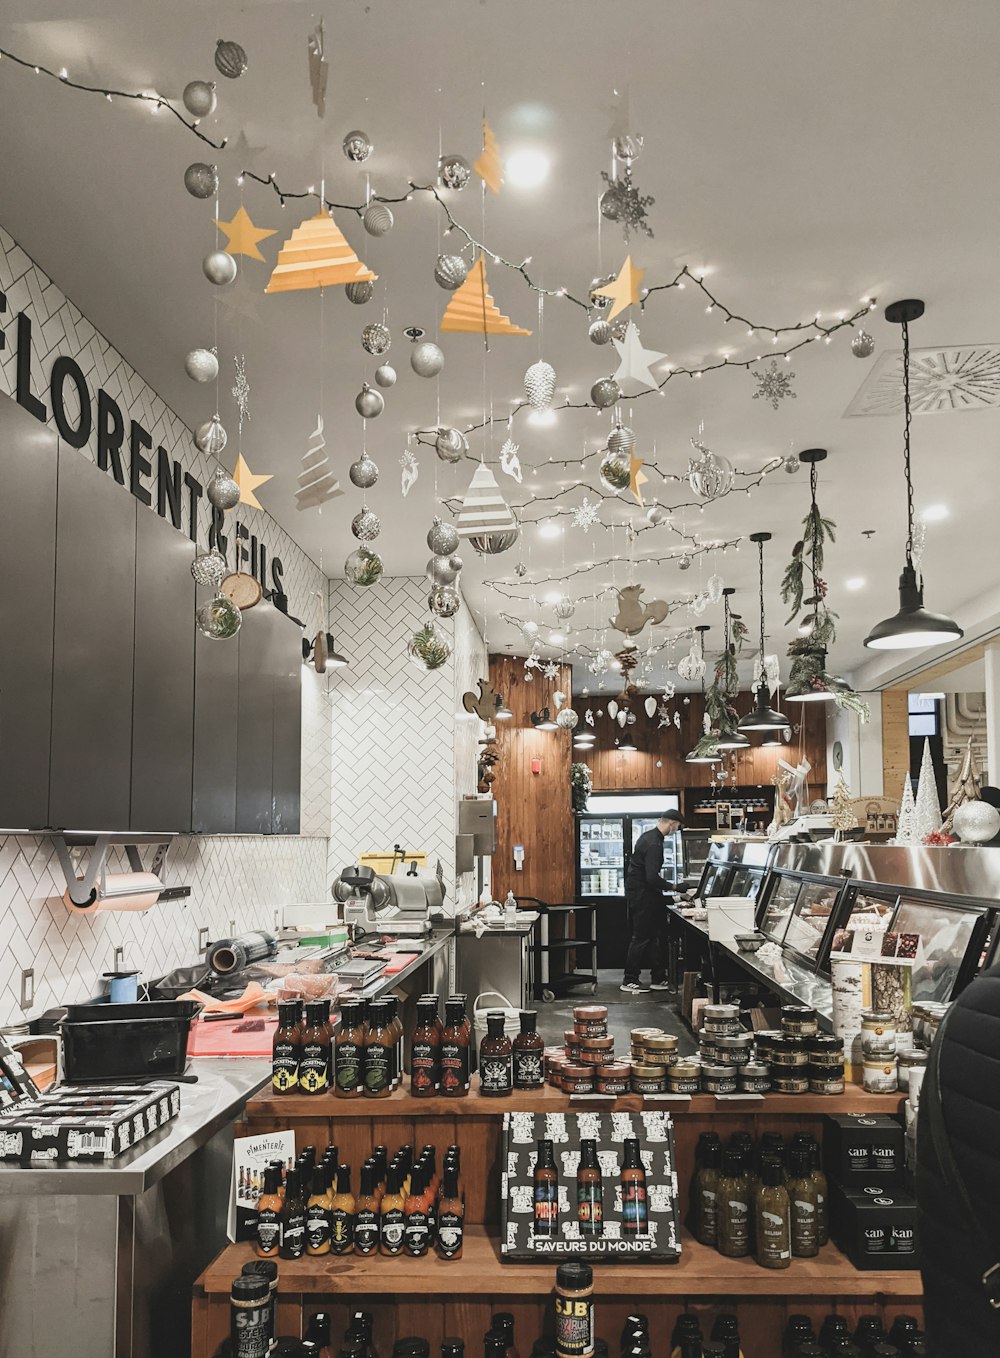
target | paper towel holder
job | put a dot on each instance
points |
(86, 890)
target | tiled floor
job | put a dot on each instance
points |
(655, 1009)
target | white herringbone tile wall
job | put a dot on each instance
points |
(471, 664)
(237, 877)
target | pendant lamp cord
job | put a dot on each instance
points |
(760, 558)
(814, 516)
(906, 443)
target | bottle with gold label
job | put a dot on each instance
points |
(342, 1213)
(318, 1215)
(285, 1049)
(314, 1060)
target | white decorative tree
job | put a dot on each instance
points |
(928, 808)
(842, 806)
(906, 824)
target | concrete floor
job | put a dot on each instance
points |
(655, 1009)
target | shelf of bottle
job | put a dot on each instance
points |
(401, 1103)
(481, 1271)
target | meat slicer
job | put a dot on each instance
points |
(400, 905)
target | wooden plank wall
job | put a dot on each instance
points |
(895, 740)
(533, 809)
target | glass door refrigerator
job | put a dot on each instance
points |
(606, 834)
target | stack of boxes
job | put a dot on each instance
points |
(873, 1219)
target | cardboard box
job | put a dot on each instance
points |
(93, 1122)
(860, 1148)
(875, 1226)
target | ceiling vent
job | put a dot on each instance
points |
(941, 380)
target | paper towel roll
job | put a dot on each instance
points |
(122, 891)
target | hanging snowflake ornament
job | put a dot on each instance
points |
(510, 462)
(585, 515)
(774, 384)
(622, 202)
(241, 391)
(540, 385)
(410, 471)
(550, 670)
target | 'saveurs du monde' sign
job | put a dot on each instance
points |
(178, 493)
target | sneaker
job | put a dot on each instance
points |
(661, 985)
(633, 988)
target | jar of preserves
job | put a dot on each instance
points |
(908, 1061)
(878, 1033)
(721, 1018)
(646, 1079)
(880, 1075)
(612, 1078)
(734, 1049)
(754, 1078)
(798, 1020)
(789, 1081)
(577, 1079)
(717, 1079)
(684, 1077)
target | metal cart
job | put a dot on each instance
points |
(547, 987)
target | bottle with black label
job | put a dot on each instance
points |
(451, 1215)
(318, 1214)
(529, 1048)
(726, 1329)
(706, 1192)
(249, 1329)
(293, 1217)
(285, 1049)
(314, 1061)
(392, 1219)
(589, 1190)
(635, 1204)
(366, 1213)
(496, 1074)
(546, 1191)
(416, 1228)
(425, 1051)
(268, 1240)
(342, 1213)
(455, 1062)
(379, 1052)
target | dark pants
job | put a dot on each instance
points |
(646, 946)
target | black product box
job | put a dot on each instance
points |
(875, 1226)
(863, 1148)
(97, 1122)
(658, 1239)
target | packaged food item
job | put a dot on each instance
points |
(718, 1079)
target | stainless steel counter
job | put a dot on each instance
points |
(224, 1085)
(435, 943)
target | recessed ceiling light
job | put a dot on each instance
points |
(542, 419)
(933, 513)
(527, 168)
(548, 528)
(856, 582)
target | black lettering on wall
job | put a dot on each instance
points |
(25, 397)
(139, 466)
(278, 595)
(168, 487)
(110, 433)
(241, 553)
(262, 571)
(216, 537)
(253, 555)
(62, 368)
(195, 488)
(3, 308)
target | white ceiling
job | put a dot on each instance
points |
(805, 156)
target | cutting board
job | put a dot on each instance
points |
(223, 1039)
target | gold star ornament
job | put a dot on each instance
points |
(248, 483)
(637, 477)
(624, 291)
(242, 236)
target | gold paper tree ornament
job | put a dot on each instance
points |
(242, 237)
(624, 291)
(488, 167)
(317, 255)
(472, 311)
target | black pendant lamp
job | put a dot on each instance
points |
(729, 739)
(711, 755)
(763, 717)
(913, 625)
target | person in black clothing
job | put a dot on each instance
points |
(958, 1245)
(644, 891)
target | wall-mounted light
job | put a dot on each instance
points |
(322, 654)
(542, 720)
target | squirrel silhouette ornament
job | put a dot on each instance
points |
(633, 615)
(485, 706)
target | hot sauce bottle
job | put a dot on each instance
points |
(293, 1217)
(378, 1053)
(454, 1051)
(416, 1230)
(496, 1073)
(268, 1240)
(286, 1048)
(451, 1215)
(314, 1061)
(318, 1215)
(348, 1052)
(366, 1213)
(589, 1190)
(635, 1205)
(425, 1051)
(529, 1063)
(342, 1213)
(546, 1191)
(392, 1218)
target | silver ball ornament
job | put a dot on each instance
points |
(566, 719)
(208, 568)
(621, 439)
(655, 515)
(450, 272)
(605, 392)
(564, 608)
(441, 571)
(520, 570)
(219, 619)
(378, 219)
(222, 490)
(219, 267)
(201, 180)
(385, 375)
(602, 303)
(442, 538)
(451, 445)
(611, 204)
(862, 344)
(426, 359)
(199, 98)
(363, 473)
(366, 525)
(791, 464)
(454, 172)
(627, 146)
(599, 332)
(375, 339)
(230, 59)
(369, 403)
(444, 601)
(201, 365)
(615, 472)
(357, 147)
(210, 437)
(976, 822)
(360, 292)
(363, 567)
(684, 562)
